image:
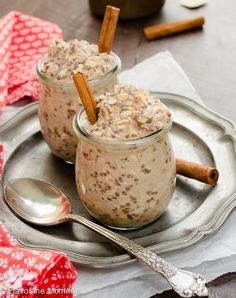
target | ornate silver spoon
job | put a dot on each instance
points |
(41, 203)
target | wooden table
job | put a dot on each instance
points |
(208, 57)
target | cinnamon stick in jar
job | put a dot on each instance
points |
(86, 96)
(108, 29)
(162, 30)
(196, 171)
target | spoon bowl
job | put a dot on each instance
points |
(37, 201)
(41, 203)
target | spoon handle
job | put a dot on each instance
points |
(185, 283)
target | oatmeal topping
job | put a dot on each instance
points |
(128, 113)
(67, 58)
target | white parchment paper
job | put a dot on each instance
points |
(212, 257)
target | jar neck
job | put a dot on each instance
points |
(69, 82)
(82, 134)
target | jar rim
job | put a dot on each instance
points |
(81, 132)
(44, 77)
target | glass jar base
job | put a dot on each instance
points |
(125, 228)
(130, 228)
(66, 161)
(69, 162)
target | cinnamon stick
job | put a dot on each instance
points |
(108, 29)
(162, 30)
(196, 171)
(86, 96)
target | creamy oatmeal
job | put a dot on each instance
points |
(59, 100)
(67, 58)
(125, 169)
(128, 113)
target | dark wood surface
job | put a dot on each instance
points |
(208, 57)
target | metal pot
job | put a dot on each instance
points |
(129, 9)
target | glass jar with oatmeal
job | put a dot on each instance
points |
(59, 99)
(125, 166)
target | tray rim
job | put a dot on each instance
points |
(197, 234)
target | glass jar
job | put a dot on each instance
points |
(124, 184)
(59, 102)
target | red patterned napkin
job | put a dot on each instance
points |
(27, 273)
(24, 40)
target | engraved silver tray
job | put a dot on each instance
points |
(195, 211)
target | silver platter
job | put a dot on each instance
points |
(196, 209)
